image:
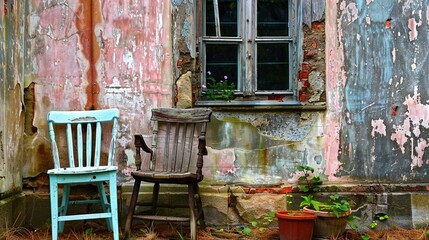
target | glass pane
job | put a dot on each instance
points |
(272, 18)
(273, 66)
(228, 17)
(222, 62)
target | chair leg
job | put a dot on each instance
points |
(155, 195)
(64, 206)
(199, 207)
(104, 203)
(53, 189)
(113, 192)
(131, 209)
(192, 214)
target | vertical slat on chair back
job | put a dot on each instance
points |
(175, 137)
(81, 121)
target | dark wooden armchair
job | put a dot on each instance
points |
(175, 157)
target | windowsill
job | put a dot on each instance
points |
(264, 105)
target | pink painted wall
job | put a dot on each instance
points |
(101, 54)
(118, 52)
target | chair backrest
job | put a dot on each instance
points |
(178, 138)
(89, 144)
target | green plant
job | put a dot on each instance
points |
(150, 234)
(219, 90)
(88, 232)
(365, 237)
(180, 235)
(336, 205)
(379, 217)
(309, 182)
(243, 230)
(266, 221)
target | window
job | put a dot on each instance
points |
(253, 45)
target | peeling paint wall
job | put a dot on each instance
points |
(383, 97)
(11, 107)
(92, 55)
(371, 71)
(128, 54)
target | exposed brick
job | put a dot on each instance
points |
(285, 190)
(303, 75)
(317, 26)
(305, 83)
(302, 97)
(388, 23)
(309, 54)
(305, 67)
(275, 97)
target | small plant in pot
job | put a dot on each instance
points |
(296, 224)
(333, 214)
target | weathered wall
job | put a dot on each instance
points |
(97, 54)
(365, 60)
(378, 90)
(128, 54)
(12, 49)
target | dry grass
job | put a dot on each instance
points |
(168, 232)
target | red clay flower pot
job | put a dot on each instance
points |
(295, 225)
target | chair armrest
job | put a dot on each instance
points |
(202, 145)
(140, 143)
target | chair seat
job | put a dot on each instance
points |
(82, 170)
(161, 176)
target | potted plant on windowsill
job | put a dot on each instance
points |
(333, 214)
(218, 90)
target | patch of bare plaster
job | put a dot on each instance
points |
(317, 86)
(412, 26)
(276, 125)
(427, 14)
(129, 166)
(224, 160)
(184, 91)
(410, 131)
(187, 33)
(368, 20)
(378, 126)
(350, 11)
(29, 101)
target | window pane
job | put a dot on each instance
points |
(273, 66)
(272, 17)
(221, 61)
(228, 17)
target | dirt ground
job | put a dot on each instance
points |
(168, 232)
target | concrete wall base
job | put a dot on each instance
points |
(234, 205)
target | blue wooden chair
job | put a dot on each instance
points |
(87, 168)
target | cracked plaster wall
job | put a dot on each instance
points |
(12, 48)
(97, 54)
(375, 127)
(378, 68)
